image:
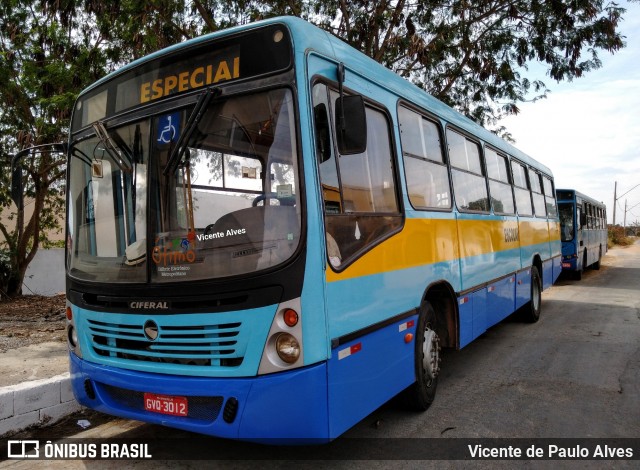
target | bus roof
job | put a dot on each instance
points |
(582, 196)
(307, 37)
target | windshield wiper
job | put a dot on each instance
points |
(185, 136)
(114, 151)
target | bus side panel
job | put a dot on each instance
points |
(465, 317)
(479, 299)
(366, 372)
(500, 300)
(489, 305)
(486, 252)
(523, 287)
(359, 302)
(547, 273)
(557, 268)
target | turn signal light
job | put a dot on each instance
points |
(290, 317)
(69, 314)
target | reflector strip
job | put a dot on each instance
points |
(406, 325)
(346, 352)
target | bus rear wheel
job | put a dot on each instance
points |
(421, 394)
(596, 265)
(531, 311)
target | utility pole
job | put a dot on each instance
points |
(615, 199)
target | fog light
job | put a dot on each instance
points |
(288, 348)
(72, 336)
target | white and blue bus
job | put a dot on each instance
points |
(583, 227)
(269, 235)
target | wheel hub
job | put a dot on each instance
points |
(431, 354)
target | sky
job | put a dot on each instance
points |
(588, 131)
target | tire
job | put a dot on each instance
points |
(422, 392)
(531, 311)
(596, 265)
(578, 272)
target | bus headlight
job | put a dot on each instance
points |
(288, 348)
(72, 337)
(72, 332)
(284, 348)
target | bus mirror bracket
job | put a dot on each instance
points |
(351, 120)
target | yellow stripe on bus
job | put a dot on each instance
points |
(429, 241)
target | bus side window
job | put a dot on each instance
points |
(550, 196)
(425, 169)
(521, 189)
(469, 183)
(501, 192)
(536, 192)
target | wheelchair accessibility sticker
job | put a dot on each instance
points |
(168, 128)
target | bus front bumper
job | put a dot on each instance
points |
(284, 407)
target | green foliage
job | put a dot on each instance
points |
(44, 63)
(471, 54)
(616, 236)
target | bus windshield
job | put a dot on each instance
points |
(226, 203)
(566, 222)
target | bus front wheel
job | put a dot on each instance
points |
(421, 394)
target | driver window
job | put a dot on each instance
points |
(359, 192)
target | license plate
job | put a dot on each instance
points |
(566, 265)
(166, 404)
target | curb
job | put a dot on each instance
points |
(38, 402)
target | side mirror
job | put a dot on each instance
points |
(351, 125)
(16, 182)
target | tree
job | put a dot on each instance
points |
(471, 54)
(47, 55)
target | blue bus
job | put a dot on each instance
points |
(269, 235)
(583, 227)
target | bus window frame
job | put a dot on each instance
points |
(509, 179)
(483, 168)
(528, 188)
(333, 86)
(433, 118)
(538, 174)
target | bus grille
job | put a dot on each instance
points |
(197, 345)
(201, 408)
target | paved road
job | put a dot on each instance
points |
(574, 374)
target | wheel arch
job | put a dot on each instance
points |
(537, 262)
(444, 301)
